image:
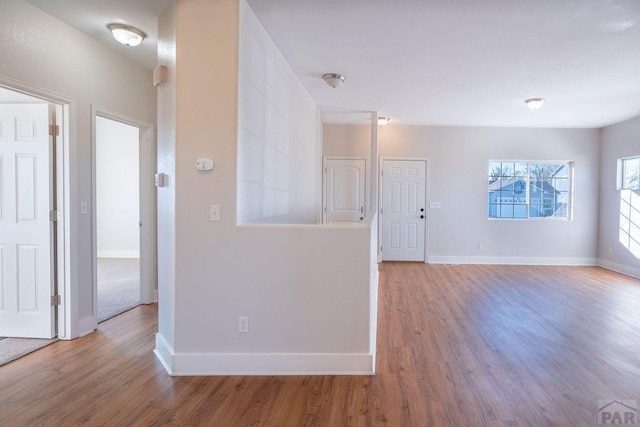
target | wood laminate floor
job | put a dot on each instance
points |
(457, 346)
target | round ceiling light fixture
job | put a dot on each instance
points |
(534, 103)
(383, 121)
(126, 34)
(333, 79)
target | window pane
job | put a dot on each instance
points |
(561, 171)
(494, 211)
(495, 171)
(522, 190)
(521, 169)
(520, 211)
(508, 169)
(535, 209)
(507, 211)
(561, 184)
(631, 173)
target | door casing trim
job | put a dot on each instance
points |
(67, 201)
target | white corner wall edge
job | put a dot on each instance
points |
(86, 325)
(190, 364)
(436, 259)
(619, 268)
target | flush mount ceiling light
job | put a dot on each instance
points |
(534, 103)
(333, 79)
(126, 34)
(382, 121)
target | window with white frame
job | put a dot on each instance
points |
(629, 173)
(526, 189)
(629, 222)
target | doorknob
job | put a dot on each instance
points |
(422, 216)
(361, 218)
(421, 209)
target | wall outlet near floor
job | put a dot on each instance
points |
(480, 246)
(243, 325)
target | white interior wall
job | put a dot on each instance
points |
(278, 145)
(306, 289)
(618, 141)
(166, 195)
(44, 52)
(458, 160)
(117, 189)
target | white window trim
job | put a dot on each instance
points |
(620, 173)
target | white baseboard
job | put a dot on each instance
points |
(511, 260)
(619, 268)
(187, 364)
(86, 325)
(164, 353)
(118, 254)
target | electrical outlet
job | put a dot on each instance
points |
(480, 246)
(243, 325)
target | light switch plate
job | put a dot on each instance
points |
(434, 205)
(214, 213)
(84, 208)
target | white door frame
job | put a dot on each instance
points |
(426, 201)
(148, 254)
(367, 172)
(66, 201)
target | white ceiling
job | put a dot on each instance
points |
(437, 62)
(92, 16)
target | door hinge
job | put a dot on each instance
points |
(380, 211)
(54, 130)
(380, 248)
(56, 300)
(325, 170)
(381, 172)
(55, 215)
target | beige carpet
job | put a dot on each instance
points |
(14, 348)
(118, 286)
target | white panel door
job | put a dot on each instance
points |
(403, 210)
(345, 191)
(26, 284)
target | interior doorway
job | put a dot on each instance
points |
(33, 141)
(117, 217)
(123, 214)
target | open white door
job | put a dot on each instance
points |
(403, 210)
(344, 191)
(26, 284)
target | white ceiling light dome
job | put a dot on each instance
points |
(126, 34)
(383, 121)
(333, 79)
(535, 103)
